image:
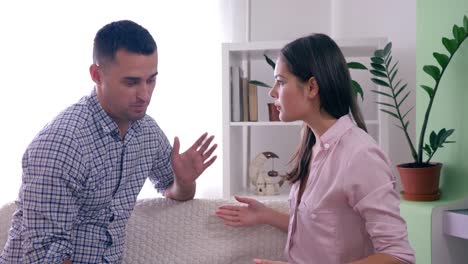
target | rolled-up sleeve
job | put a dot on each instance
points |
(371, 192)
(49, 198)
(162, 174)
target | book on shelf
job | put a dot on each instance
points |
(235, 82)
(253, 103)
(244, 99)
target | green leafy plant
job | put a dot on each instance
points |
(385, 73)
(351, 65)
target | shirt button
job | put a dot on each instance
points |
(326, 146)
(313, 216)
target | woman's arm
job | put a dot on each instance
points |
(253, 213)
(379, 258)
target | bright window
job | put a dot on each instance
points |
(46, 51)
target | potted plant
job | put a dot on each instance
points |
(273, 111)
(420, 178)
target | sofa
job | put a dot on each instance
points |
(166, 231)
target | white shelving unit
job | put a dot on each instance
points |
(242, 141)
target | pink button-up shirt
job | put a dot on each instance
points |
(349, 208)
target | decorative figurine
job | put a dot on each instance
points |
(265, 183)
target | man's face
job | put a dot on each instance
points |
(125, 85)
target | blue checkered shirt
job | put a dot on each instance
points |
(80, 183)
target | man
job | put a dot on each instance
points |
(82, 173)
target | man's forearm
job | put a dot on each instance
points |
(67, 261)
(180, 192)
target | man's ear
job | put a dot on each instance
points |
(312, 88)
(95, 73)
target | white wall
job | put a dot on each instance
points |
(284, 20)
(395, 20)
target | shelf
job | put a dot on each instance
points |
(279, 123)
(350, 48)
(456, 223)
(266, 123)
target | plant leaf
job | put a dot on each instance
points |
(428, 150)
(404, 98)
(429, 90)
(450, 44)
(440, 137)
(387, 48)
(393, 75)
(465, 23)
(393, 67)
(379, 67)
(356, 65)
(388, 60)
(380, 82)
(444, 135)
(433, 140)
(386, 104)
(378, 73)
(397, 84)
(270, 61)
(406, 124)
(442, 59)
(357, 89)
(390, 113)
(379, 53)
(259, 83)
(407, 112)
(458, 33)
(382, 93)
(433, 71)
(377, 60)
(401, 89)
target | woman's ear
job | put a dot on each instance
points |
(312, 88)
(95, 73)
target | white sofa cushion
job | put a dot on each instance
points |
(166, 231)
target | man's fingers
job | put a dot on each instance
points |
(205, 145)
(209, 162)
(199, 141)
(209, 152)
(175, 146)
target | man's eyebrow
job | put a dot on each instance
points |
(129, 78)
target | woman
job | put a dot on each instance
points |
(343, 204)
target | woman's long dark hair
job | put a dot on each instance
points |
(319, 56)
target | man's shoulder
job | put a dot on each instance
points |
(69, 121)
(150, 124)
(71, 118)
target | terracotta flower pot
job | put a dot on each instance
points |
(420, 183)
(273, 112)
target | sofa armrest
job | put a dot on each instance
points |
(166, 231)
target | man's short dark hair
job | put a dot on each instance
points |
(123, 34)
